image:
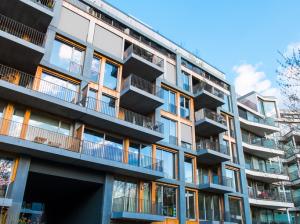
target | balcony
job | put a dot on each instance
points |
(39, 93)
(211, 152)
(257, 125)
(140, 61)
(207, 96)
(216, 184)
(209, 123)
(140, 95)
(269, 173)
(134, 209)
(262, 147)
(21, 44)
(35, 141)
(295, 178)
(271, 199)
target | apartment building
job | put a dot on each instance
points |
(103, 120)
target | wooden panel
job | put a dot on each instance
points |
(14, 170)
(126, 148)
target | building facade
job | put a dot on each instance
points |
(105, 121)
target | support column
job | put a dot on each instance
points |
(107, 199)
(178, 70)
(17, 190)
(181, 190)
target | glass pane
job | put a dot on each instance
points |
(133, 155)
(188, 170)
(168, 164)
(108, 105)
(95, 70)
(113, 148)
(17, 118)
(110, 76)
(61, 54)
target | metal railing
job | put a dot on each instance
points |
(40, 85)
(154, 59)
(206, 113)
(270, 195)
(140, 83)
(212, 145)
(205, 86)
(49, 4)
(137, 205)
(58, 140)
(219, 180)
(264, 142)
(22, 31)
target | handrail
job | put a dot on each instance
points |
(40, 85)
(134, 49)
(59, 140)
(142, 84)
(22, 31)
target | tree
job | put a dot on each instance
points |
(289, 79)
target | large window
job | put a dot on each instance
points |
(166, 196)
(188, 170)
(95, 69)
(169, 159)
(67, 57)
(140, 155)
(236, 210)
(58, 87)
(209, 207)
(124, 196)
(110, 76)
(184, 107)
(185, 80)
(170, 134)
(190, 204)
(169, 101)
(232, 177)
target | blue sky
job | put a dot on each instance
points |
(241, 38)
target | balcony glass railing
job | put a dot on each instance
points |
(154, 59)
(272, 168)
(136, 205)
(40, 85)
(21, 31)
(205, 86)
(270, 195)
(294, 175)
(142, 84)
(49, 4)
(206, 113)
(219, 180)
(70, 143)
(263, 142)
(256, 119)
(212, 145)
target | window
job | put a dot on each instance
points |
(232, 177)
(95, 69)
(17, 118)
(228, 105)
(6, 171)
(184, 107)
(92, 102)
(67, 57)
(110, 76)
(236, 210)
(168, 159)
(234, 156)
(188, 170)
(190, 204)
(140, 155)
(166, 196)
(169, 101)
(209, 207)
(170, 134)
(124, 196)
(231, 127)
(185, 80)
(58, 87)
(108, 105)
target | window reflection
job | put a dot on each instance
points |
(168, 159)
(166, 197)
(110, 76)
(95, 69)
(108, 105)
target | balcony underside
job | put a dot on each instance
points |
(265, 177)
(19, 53)
(270, 204)
(135, 64)
(128, 216)
(139, 101)
(261, 151)
(215, 188)
(72, 111)
(207, 127)
(256, 128)
(205, 99)
(27, 12)
(43, 151)
(211, 157)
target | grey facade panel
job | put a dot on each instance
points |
(170, 74)
(73, 24)
(186, 133)
(108, 41)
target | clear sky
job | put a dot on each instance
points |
(240, 37)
